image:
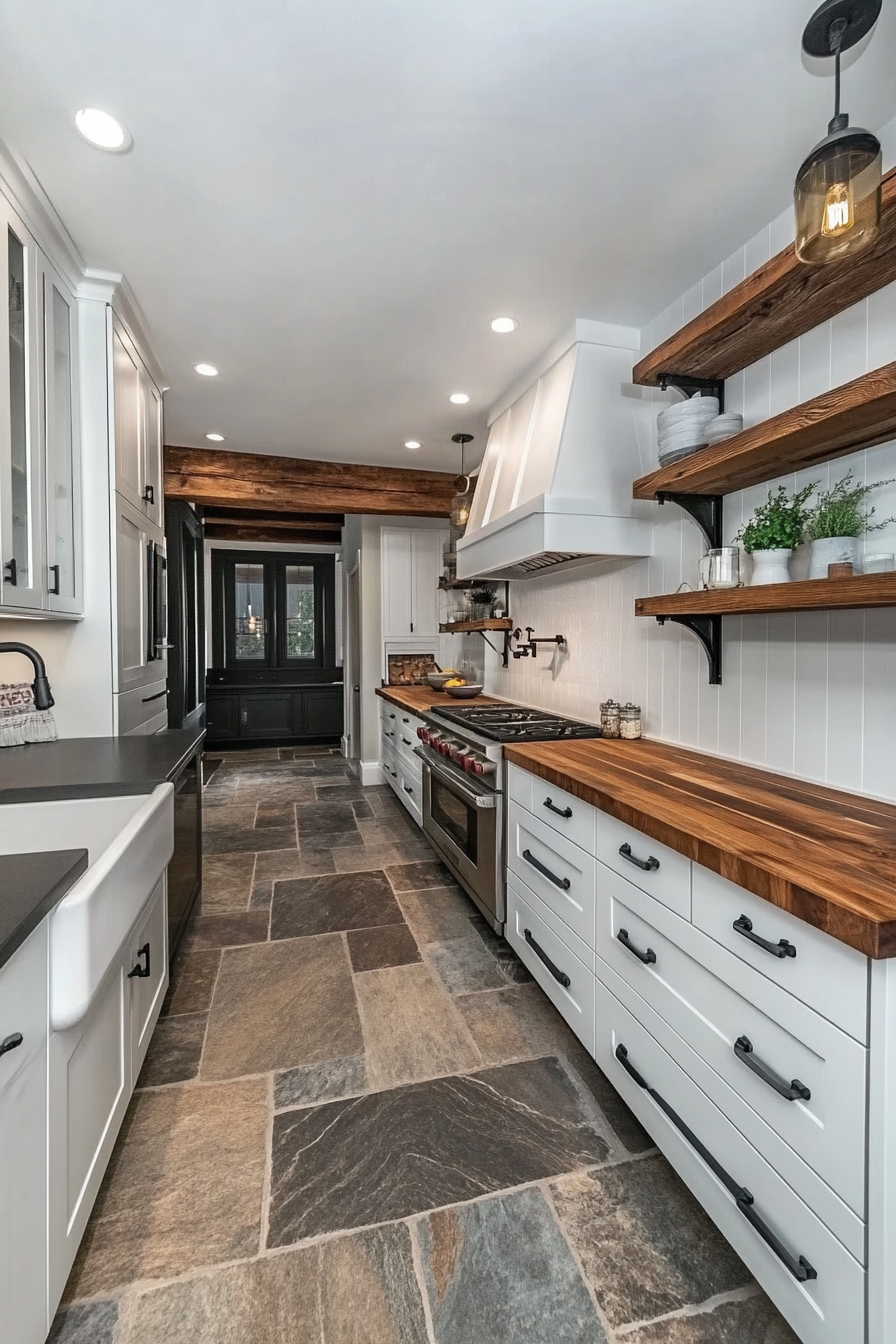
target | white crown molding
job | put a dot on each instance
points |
(112, 287)
(37, 211)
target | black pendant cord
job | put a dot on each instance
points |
(838, 28)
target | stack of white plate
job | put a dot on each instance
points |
(682, 427)
(724, 426)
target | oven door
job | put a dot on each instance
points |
(463, 821)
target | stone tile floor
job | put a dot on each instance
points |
(361, 1122)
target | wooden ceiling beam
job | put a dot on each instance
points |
(265, 532)
(286, 522)
(222, 479)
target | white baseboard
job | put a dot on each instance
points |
(371, 773)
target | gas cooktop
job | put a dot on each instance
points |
(515, 723)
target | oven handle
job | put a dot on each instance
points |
(477, 799)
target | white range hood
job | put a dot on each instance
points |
(555, 486)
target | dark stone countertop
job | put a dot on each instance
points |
(94, 767)
(30, 886)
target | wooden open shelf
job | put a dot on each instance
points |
(864, 590)
(781, 300)
(461, 627)
(857, 415)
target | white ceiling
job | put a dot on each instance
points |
(330, 200)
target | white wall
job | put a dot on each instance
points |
(812, 694)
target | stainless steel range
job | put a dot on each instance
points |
(463, 788)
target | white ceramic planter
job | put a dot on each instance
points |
(771, 567)
(831, 551)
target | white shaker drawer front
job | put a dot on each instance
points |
(662, 872)
(812, 1278)
(798, 1075)
(565, 814)
(519, 786)
(410, 790)
(409, 723)
(831, 977)
(544, 945)
(555, 869)
(390, 734)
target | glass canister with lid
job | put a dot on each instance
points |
(630, 722)
(609, 719)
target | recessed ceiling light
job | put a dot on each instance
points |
(207, 370)
(459, 398)
(102, 130)
(412, 443)
(215, 438)
(503, 325)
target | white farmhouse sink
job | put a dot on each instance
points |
(129, 842)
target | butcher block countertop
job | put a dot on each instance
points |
(827, 857)
(418, 699)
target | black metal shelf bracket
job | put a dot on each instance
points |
(706, 511)
(503, 653)
(684, 382)
(708, 630)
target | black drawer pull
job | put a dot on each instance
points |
(646, 865)
(141, 972)
(560, 976)
(388, 734)
(648, 957)
(55, 591)
(562, 882)
(11, 1042)
(407, 788)
(792, 1091)
(148, 699)
(799, 1268)
(782, 948)
(406, 740)
(565, 812)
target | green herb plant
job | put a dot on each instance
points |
(777, 524)
(487, 596)
(843, 511)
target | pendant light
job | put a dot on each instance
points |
(463, 498)
(837, 191)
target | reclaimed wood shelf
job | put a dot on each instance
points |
(857, 415)
(863, 590)
(781, 300)
(461, 627)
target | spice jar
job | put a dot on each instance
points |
(630, 722)
(609, 719)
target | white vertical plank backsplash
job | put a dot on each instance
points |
(810, 694)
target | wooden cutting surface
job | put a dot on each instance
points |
(420, 698)
(827, 857)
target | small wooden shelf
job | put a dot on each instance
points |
(857, 415)
(461, 627)
(778, 302)
(864, 590)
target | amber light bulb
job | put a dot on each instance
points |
(839, 211)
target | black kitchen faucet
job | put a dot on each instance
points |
(43, 696)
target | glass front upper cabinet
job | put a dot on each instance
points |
(63, 458)
(21, 478)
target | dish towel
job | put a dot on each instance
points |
(20, 722)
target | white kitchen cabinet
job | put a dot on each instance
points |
(411, 561)
(131, 552)
(137, 420)
(23, 1156)
(22, 525)
(148, 976)
(63, 444)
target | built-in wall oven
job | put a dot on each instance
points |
(463, 817)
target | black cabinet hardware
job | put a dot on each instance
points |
(148, 699)
(12, 573)
(388, 733)
(55, 590)
(391, 716)
(792, 1091)
(646, 865)
(560, 976)
(782, 948)
(799, 1268)
(648, 957)
(141, 972)
(11, 1042)
(406, 740)
(148, 495)
(407, 788)
(565, 812)
(393, 773)
(562, 882)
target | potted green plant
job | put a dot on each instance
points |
(482, 599)
(774, 529)
(839, 517)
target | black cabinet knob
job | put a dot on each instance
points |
(11, 1042)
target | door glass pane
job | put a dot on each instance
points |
(300, 611)
(21, 485)
(456, 817)
(249, 642)
(59, 424)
